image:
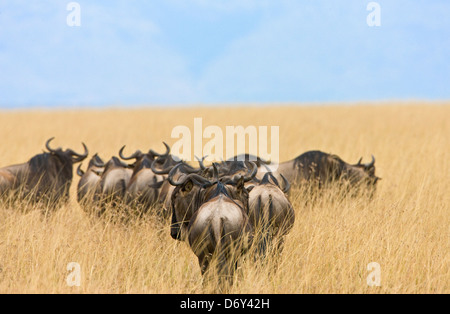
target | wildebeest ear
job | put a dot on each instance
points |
(250, 188)
(240, 183)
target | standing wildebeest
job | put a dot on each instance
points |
(113, 183)
(89, 184)
(175, 168)
(142, 190)
(323, 168)
(46, 176)
(214, 219)
(271, 213)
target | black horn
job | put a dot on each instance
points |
(200, 162)
(197, 179)
(79, 157)
(151, 151)
(47, 145)
(136, 155)
(98, 163)
(160, 171)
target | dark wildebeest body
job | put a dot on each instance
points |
(45, 177)
(316, 167)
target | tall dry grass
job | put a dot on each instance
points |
(405, 228)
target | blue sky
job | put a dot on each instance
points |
(183, 52)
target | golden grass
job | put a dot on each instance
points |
(405, 228)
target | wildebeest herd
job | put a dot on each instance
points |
(220, 210)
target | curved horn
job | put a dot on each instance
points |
(162, 171)
(151, 151)
(47, 145)
(251, 174)
(79, 171)
(266, 179)
(193, 176)
(136, 155)
(200, 162)
(79, 157)
(171, 174)
(287, 185)
(98, 164)
(97, 158)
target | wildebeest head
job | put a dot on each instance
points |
(114, 163)
(361, 173)
(68, 155)
(96, 161)
(144, 160)
(249, 158)
(269, 178)
(96, 164)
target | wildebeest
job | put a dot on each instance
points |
(143, 187)
(322, 168)
(45, 177)
(211, 215)
(113, 183)
(174, 168)
(89, 184)
(271, 213)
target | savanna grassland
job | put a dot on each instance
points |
(405, 228)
